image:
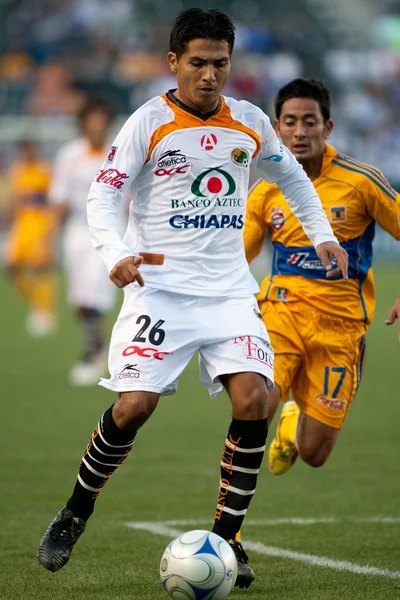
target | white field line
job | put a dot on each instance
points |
(302, 521)
(164, 529)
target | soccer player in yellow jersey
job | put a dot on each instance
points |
(29, 253)
(317, 325)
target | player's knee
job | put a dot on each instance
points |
(254, 404)
(314, 456)
(133, 409)
(316, 460)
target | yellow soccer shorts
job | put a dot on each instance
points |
(318, 359)
(29, 242)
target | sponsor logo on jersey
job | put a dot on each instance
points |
(112, 177)
(213, 181)
(282, 294)
(111, 153)
(206, 202)
(173, 171)
(208, 141)
(274, 157)
(338, 214)
(164, 172)
(171, 158)
(206, 221)
(255, 349)
(129, 372)
(240, 157)
(332, 404)
(300, 259)
(144, 352)
(278, 218)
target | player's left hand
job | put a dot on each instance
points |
(394, 313)
(328, 250)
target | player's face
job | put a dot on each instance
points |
(201, 71)
(303, 129)
(96, 127)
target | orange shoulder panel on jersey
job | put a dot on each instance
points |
(184, 120)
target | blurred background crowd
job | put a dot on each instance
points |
(54, 53)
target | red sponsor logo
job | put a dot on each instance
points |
(112, 177)
(111, 153)
(332, 404)
(168, 172)
(208, 141)
(144, 352)
(278, 219)
(256, 350)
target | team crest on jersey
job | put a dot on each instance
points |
(111, 153)
(278, 218)
(213, 181)
(240, 157)
(208, 141)
(338, 214)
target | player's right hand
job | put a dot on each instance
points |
(394, 313)
(126, 271)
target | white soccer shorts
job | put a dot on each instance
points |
(88, 283)
(157, 333)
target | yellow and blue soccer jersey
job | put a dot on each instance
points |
(354, 196)
(29, 241)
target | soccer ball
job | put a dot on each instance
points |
(198, 565)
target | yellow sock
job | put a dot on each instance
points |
(22, 283)
(43, 292)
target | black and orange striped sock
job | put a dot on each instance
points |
(107, 449)
(241, 461)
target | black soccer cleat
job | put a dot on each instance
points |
(61, 536)
(245, 574)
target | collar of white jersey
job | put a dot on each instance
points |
(204, 116)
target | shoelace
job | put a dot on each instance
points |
(64, 530)
(239, 551)
(286, 453)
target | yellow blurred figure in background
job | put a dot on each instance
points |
(29, 253)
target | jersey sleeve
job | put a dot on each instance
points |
(127, 156)
(255, 225)
(276, 164)
(383, 203)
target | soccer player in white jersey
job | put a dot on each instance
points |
(90, 291)
(185, 157)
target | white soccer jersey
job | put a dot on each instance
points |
(188, 175)
(88, 283)
(75, 165)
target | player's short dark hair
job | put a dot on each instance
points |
(195, 23)
(305, 88)
(96, 104)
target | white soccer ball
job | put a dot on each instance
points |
(198, 565)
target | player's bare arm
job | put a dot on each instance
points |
(328, 250)
(126, 271)
(394, 313)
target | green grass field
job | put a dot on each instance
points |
(173, 473)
